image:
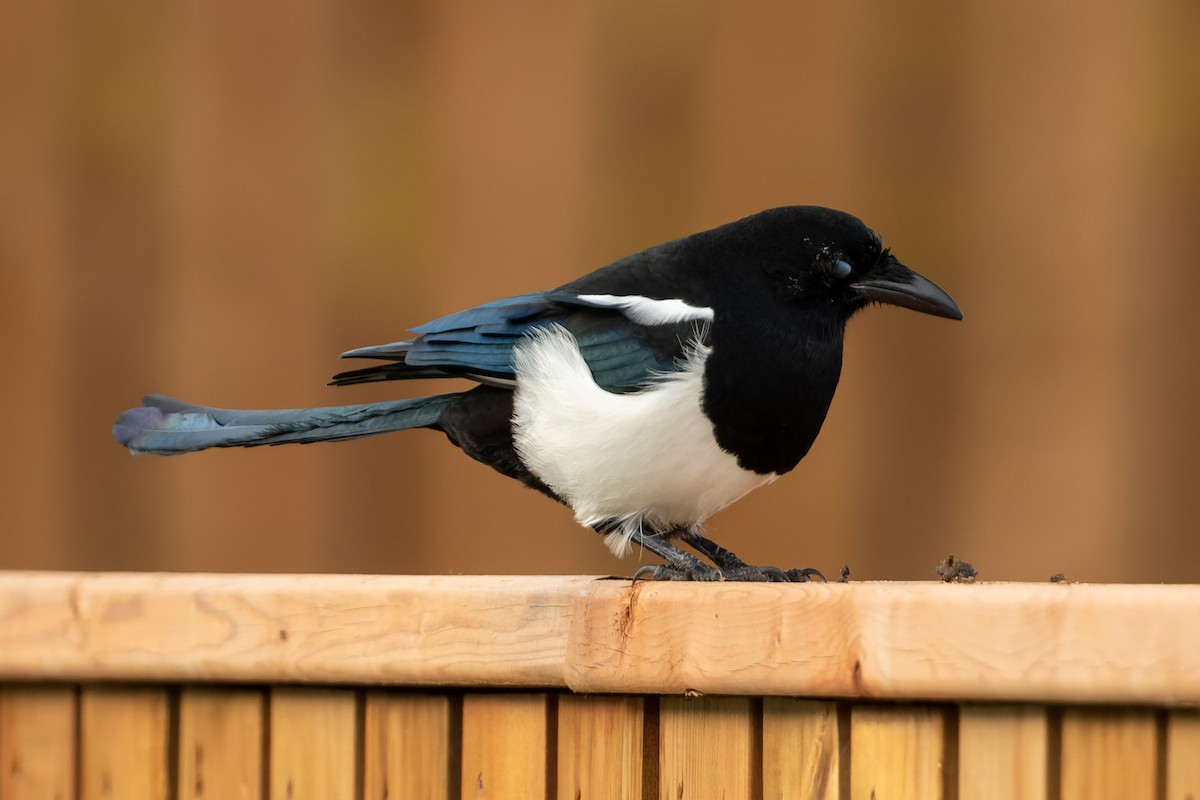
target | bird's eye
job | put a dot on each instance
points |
(842, 269)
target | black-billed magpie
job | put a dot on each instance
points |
(646, 395)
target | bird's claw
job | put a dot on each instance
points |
(743, 573)
(772, 574)
(805, 575)
(667, 572)
(751, 574)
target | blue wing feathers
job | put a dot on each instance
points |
(521, 307)
(621, 353)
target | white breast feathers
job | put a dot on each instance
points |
(646, 458)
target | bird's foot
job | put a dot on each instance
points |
(668, 572)
(750, 574)
(743, 573)
(683, 566)
(746, 572)
(733, 568)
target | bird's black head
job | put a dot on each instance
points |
(818, 257)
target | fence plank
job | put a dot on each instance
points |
(599, 636)
(599, 747)
(313, 747)
(406, 746)
(1002, 753)
(504, 740)
(123, 743)
(410, 629)
(1183, 755)
(897, 752)
(1108, 753)
(801, 755)
(706, 748)
(221, 744)
(37, 743)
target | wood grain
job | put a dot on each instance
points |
(1108, 754)
(707, 748)
(599, 747)
(897, 753)
(37, 743)
(221, 744)
(1183, 755)
(286, 628)
(504, 741)
(1002, 752)
(406, 746)
(123, 743)
(1036, 642)
(313, 753)
(800, 752)
(1009, 642)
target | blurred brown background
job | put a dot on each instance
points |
(211, 200)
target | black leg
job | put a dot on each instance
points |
(710, 549)
(680, 566)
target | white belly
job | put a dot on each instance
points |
(644, 458)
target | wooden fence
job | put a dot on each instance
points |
(140, 686)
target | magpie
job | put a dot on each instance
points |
(646, 395)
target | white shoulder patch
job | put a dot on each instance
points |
(645, 311)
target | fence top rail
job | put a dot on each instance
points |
(1088, 643)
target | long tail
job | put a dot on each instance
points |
(165, 427)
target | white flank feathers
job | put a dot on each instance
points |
(644, 458)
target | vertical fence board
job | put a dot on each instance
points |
(313, 744)
(37, 743)
(599, 747)
(897, 752)
(504, 741)
(1108, 753)
(406, 747)
(123, 743)
(1183, 755)
(1002, 753)
(243, 140)
(220, 744)
(800, 749)
(706, 748)
(39, 69)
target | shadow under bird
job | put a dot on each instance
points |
(646, 395)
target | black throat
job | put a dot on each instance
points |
(769, 382)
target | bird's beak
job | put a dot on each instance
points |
(900, 286)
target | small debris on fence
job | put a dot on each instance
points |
(951, 570)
